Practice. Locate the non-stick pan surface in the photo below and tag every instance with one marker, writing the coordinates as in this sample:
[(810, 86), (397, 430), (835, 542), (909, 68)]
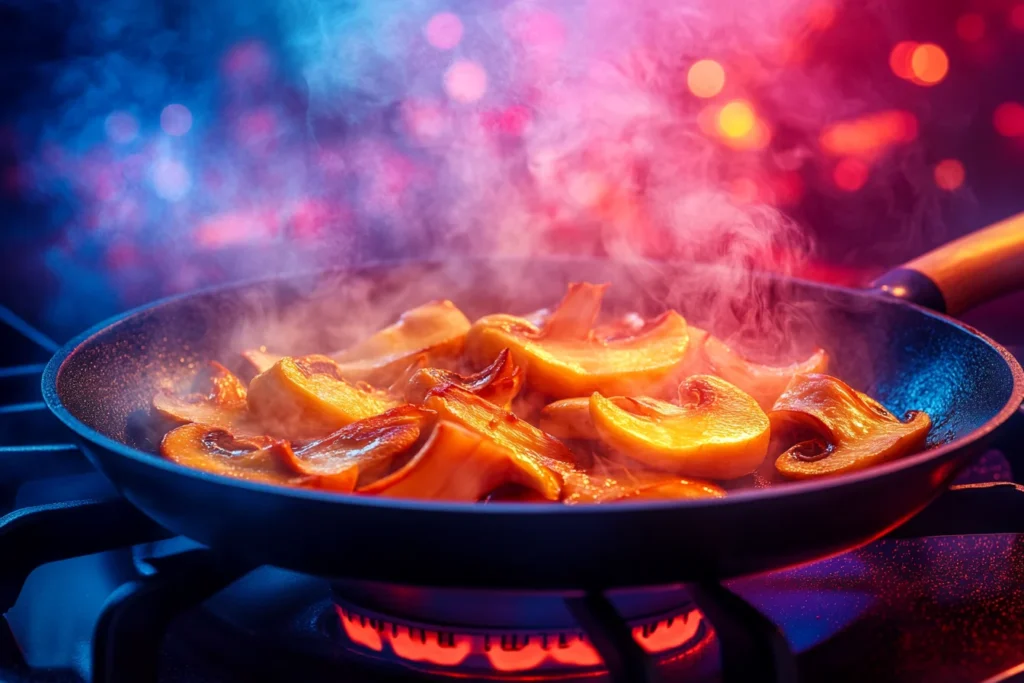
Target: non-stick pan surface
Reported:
[(906, 356)]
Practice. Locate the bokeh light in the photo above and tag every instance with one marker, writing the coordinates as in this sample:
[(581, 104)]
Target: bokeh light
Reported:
[(171, 180), (744, 190), (850, 174), (443, 31), (121, 127), (176, 119), (1017, 17), (465, 81), (929, 64), (970, 27), (736, 119), (706, 78), (1008, 119), (900, 59), (870, 135), (949, 174)]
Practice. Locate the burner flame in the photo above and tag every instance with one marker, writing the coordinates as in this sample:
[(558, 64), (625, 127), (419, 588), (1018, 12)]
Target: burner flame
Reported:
[(511, 652)]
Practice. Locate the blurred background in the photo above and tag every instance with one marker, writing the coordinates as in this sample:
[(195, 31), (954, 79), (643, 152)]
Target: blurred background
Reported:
[(149, 147)]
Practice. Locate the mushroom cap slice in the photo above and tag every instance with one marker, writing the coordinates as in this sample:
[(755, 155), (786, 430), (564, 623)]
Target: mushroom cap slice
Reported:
[(457, 464), (482, 417), (361, 452), (437, 329), (217, 398), (565, 360), (212, 449), (307, 398), (764, 382), (850, 430), (499, 382), (717, 431)]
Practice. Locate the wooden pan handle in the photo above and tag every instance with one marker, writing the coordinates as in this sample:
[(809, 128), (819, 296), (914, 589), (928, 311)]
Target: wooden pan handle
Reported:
[(964, 273)]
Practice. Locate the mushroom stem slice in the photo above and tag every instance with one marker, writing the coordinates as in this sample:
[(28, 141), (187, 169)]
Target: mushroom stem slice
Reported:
[(764, 382), (436, 329), (457, 464), (212, 449), (363, 451), (849, 430), (482, 417), (718, 432), (217, 398), (575, 316), (499, 382), (307, 398)]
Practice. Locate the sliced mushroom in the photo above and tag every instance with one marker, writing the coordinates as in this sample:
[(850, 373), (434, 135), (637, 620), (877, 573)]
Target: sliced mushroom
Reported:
[(488, 420), (570, 417), (362, 452), (307, 398), (217, 398), (848, 430), (499, 382), (717, 431), (461, 465), (436, 329), (260, 359), (566, 358), (212, 449), (591, 488), (764, 382)]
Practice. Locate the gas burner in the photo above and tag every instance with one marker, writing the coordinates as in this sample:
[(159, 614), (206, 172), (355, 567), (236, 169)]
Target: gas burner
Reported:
[(487, 635)]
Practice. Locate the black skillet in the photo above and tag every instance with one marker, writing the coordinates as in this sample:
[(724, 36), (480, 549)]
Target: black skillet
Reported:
[(900, 352)]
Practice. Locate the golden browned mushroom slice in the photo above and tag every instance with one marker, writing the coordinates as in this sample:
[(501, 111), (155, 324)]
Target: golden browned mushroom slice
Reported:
[(363, 451), (850, 430), (457, 464), (217, 398), (764, 382), (590, 488), (717, 431), (488, 420), (260, 359), (499, 382), (436, 329), (570, 417), (307, 398), (211, 449), (566, 358)]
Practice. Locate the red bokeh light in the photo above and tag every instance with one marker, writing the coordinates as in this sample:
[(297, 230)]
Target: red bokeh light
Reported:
[(1017, 17), (870, 135), (1009, 119), (970, 27), (850, 174), (949, 174), (900, 59)]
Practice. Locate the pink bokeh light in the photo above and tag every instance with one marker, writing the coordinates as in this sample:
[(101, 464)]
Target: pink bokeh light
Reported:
[(465, 81), (176, 119), (443, 31)]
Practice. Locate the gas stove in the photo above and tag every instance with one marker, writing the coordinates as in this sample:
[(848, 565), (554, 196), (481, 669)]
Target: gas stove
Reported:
[(94, 591)]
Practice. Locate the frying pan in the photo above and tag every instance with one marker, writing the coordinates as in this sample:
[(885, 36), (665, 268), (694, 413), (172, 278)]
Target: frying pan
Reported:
[(906, 355)]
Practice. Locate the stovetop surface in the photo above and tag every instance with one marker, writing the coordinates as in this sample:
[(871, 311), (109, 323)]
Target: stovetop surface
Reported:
[(920, 609)]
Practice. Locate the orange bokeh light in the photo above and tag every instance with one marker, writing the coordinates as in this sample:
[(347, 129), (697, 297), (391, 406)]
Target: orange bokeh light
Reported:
[(949, 174), (850, 174), (736, 119), (868, 135), (970, 27), (900, 59), (706, 78), (1009, 119), (929, 64)]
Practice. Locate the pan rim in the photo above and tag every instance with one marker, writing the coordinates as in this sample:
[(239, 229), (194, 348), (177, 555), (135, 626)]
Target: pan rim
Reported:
[(53, 401)]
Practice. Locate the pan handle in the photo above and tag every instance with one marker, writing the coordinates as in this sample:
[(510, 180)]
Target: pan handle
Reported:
[(964, 273)]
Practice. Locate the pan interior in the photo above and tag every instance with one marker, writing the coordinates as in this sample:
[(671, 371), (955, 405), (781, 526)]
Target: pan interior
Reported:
[(905, 357)]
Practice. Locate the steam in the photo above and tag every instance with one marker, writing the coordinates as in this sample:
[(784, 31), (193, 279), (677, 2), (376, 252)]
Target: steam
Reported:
[(526, 129)]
